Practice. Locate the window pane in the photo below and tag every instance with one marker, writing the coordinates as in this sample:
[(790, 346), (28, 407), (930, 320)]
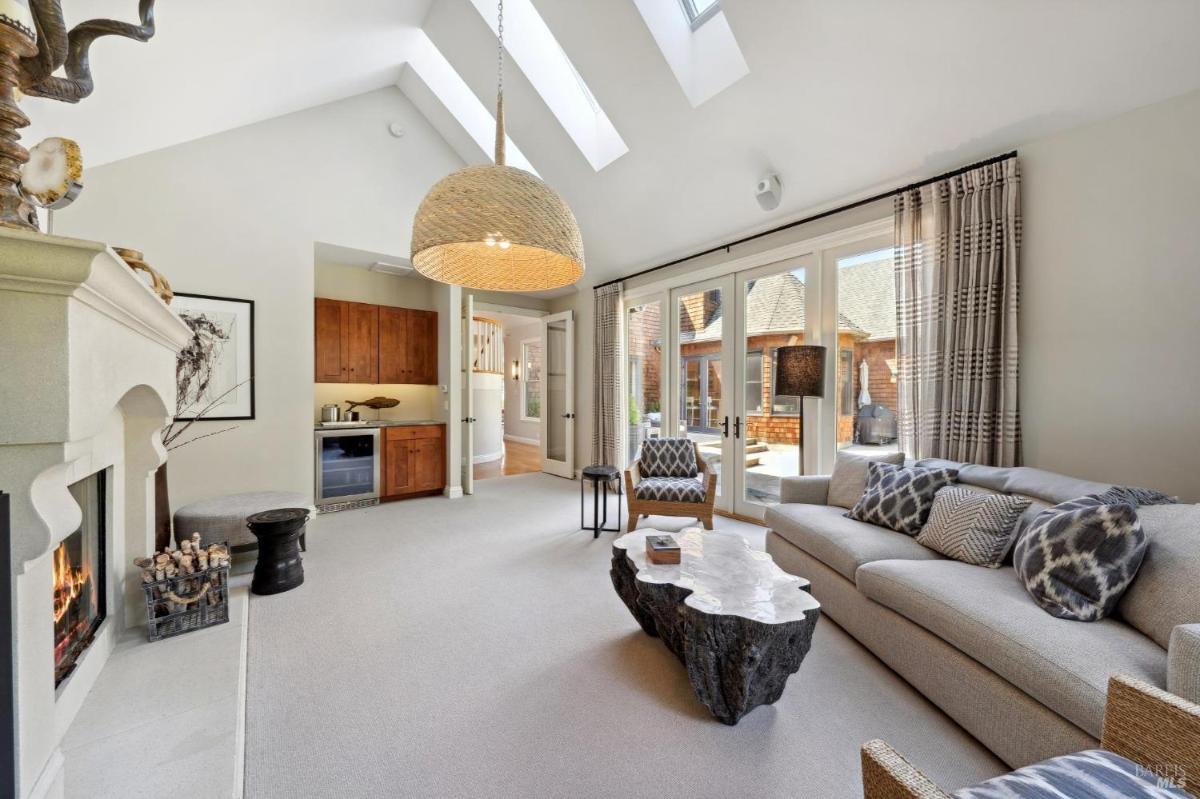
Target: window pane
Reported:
[(754, 386), (701, 320), (531, 367), (644, 348), (775, 317), (866, 384), (782, 406)]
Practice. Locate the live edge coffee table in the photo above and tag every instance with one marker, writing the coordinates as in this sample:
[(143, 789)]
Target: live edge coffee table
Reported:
[(740, 624)]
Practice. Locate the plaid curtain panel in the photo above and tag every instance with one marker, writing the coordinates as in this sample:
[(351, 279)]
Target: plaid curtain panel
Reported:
[(957, 253), (606, 377)]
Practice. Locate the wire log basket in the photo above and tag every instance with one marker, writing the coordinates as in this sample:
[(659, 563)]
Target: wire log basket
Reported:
[(186, 602)]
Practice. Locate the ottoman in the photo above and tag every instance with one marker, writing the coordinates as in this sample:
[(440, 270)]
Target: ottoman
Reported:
[(224, 518)]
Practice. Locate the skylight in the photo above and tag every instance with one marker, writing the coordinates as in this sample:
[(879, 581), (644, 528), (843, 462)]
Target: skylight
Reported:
[(439, 84), (698, 45), (533, 47), (700, 11)]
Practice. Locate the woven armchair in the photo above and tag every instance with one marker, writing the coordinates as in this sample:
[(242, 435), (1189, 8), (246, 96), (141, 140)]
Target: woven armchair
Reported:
[(701, 510), (1156, 730)]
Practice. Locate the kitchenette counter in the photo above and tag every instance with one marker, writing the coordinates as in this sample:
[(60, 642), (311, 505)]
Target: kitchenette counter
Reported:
[(376, 423)]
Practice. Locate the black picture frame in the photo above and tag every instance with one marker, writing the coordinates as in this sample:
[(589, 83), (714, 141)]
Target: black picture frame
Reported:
[(249, 307)]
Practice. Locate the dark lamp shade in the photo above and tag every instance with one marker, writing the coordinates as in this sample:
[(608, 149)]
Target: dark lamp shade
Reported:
[(800, 371)]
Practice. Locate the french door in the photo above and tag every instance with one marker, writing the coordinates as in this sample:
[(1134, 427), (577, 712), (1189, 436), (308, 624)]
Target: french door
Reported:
[(724, 336), (468, 395), (558, 394)]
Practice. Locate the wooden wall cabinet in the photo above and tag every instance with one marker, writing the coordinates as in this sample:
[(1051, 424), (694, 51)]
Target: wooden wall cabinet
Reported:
[(414, 460), (361, 343)]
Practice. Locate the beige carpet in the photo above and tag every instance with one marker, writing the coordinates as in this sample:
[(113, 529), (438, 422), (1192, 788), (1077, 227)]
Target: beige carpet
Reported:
[(476, 648)]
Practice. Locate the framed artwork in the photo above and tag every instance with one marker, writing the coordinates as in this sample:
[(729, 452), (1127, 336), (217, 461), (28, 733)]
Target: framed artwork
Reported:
[(213, 373)]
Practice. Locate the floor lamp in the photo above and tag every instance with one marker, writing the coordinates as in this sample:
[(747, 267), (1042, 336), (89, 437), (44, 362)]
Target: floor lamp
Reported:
[(800, 372)]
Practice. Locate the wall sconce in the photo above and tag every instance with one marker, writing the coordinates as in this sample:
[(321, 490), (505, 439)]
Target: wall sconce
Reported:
[(516, 370)]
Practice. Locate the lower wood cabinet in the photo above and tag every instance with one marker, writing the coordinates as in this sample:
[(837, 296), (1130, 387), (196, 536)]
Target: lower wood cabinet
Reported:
[(414, 460)]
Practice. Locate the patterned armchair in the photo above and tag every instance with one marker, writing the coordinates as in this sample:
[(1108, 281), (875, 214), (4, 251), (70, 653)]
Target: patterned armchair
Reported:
[(1151, 748), (670, 478)]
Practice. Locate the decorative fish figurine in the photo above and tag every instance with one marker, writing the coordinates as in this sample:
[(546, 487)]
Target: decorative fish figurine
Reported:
[(374, 402)]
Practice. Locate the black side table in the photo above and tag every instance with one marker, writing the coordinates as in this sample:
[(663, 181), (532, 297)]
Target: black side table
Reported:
[(278, 532), (599, 476)]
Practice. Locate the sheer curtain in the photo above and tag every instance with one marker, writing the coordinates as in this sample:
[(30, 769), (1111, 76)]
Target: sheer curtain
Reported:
[(607, 395), (958, 246)]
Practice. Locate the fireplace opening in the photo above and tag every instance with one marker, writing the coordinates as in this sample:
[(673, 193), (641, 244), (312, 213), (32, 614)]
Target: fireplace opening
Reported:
[(79, 579)]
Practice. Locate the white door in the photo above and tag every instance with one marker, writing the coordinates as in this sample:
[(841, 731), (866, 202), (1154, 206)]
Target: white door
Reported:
[(468, 396), (700, 366), (777, 306), (558, 394)]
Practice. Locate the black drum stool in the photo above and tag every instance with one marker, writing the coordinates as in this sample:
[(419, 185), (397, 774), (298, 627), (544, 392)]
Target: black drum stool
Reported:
[(278, 532), (599, 476)]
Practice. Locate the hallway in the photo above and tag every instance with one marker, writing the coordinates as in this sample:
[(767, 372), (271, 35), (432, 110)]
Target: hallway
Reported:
[(518, 458)]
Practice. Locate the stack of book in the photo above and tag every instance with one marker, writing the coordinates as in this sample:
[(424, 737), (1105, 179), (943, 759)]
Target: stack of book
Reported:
[(662, 549)]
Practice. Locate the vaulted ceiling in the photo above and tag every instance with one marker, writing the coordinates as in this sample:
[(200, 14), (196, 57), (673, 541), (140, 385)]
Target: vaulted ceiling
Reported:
[(840, 97)]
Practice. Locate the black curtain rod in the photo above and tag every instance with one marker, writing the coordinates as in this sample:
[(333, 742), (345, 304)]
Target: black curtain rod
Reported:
[(822, 215)]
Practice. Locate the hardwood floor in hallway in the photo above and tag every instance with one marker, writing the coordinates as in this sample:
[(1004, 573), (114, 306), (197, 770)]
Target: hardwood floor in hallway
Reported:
[(518, 459)]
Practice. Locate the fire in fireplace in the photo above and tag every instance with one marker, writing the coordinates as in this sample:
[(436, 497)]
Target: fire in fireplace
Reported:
[(79, 575)]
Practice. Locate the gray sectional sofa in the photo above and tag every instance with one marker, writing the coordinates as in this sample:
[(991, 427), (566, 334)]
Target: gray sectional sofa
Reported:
[(1027, 685)]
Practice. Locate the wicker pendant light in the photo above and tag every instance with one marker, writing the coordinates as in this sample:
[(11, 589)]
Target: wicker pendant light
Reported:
[(497, 227)]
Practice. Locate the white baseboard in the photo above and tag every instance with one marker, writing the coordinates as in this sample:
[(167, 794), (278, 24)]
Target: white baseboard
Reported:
[(453, 492), (523, 440)]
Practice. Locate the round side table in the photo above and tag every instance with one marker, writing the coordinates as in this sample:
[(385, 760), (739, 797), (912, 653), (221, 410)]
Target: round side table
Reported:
[(278, 532), (599, 476)]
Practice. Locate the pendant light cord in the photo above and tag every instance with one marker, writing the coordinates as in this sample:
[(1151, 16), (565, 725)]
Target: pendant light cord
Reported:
[(500, 83)]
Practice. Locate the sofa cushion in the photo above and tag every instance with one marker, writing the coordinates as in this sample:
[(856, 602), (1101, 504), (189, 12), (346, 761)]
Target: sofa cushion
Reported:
[(849, 478), (841, 543), (1049, 487), (1094, 774), (1078, 557), (668, 457), (1164, 594), (971, 525), (986, 614), (899, 497), (670, 489)]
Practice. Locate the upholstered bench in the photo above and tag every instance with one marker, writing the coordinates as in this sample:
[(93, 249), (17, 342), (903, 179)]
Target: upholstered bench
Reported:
[(224, 518)]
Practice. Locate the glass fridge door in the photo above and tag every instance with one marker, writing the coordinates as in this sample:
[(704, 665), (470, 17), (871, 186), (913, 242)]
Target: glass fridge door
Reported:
[(347, 466)]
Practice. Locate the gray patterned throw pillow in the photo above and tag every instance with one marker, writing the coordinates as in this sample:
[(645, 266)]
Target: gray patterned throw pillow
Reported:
[(971, 526), (899, 497), (668, 457), (1078, 557)]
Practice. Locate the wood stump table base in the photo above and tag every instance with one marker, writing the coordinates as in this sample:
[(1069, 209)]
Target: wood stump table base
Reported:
[(738, 648)]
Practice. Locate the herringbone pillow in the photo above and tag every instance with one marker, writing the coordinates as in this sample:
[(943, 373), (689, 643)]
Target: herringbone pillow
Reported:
[(899, 497), (970, 526)]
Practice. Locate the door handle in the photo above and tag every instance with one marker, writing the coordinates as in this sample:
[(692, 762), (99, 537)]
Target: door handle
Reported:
[(725, 427), (737, 427), (568, 416)]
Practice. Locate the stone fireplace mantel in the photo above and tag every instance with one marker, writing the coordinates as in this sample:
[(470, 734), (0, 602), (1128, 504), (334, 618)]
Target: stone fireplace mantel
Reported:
[(87, 381)]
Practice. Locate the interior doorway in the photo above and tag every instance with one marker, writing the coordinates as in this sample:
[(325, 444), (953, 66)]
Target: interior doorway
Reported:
[(507, 368)]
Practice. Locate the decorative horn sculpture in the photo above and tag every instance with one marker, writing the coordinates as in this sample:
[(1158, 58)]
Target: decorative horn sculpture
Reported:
[(58, 48), (34, 43)]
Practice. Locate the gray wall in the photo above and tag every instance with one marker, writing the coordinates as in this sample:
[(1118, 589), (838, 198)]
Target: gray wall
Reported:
[(1110, 322)]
